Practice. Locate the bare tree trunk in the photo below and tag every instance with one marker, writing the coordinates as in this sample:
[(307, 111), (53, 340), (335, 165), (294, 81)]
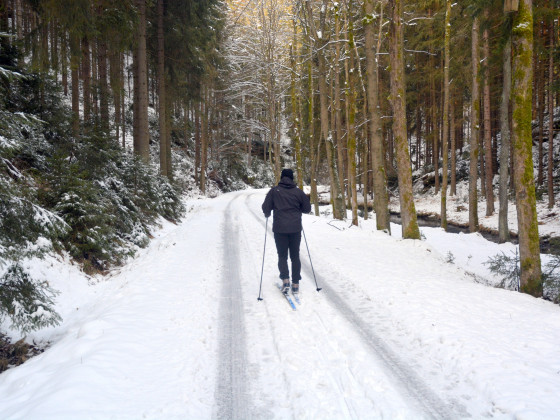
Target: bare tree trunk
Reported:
[(94, 65), (75, 79), (452, 135), (204, 140), (540, 111), (435, 131), (540, 84), (295, 115), (64, 61), (86, 76), (19, 19), (115, 81), (380, 195), (163, 137), (487, 124), (522, 45), (141, 134), (103, 86), (398, 99), (351, 119), (473, 142), (337, 101), (550, 117), (313, 157), (339, 210), (503, 228), (197, 139), (444, 141)]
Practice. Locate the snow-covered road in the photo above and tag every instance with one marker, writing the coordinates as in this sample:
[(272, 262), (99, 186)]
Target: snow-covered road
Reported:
[(395, 333)]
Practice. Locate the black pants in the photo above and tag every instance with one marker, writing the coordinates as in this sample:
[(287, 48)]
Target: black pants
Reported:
[(288, 242)]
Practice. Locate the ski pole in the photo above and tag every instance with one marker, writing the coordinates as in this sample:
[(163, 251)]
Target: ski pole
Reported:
[(262, 269), (311, 262)]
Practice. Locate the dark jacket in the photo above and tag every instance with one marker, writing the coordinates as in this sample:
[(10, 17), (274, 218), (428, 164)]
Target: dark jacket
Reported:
[(288, 203)]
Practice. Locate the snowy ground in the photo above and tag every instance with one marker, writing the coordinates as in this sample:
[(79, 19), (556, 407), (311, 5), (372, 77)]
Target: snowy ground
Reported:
[(397, 331)]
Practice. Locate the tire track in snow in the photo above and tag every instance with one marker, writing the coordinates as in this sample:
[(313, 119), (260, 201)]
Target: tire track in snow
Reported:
[(411, 384), (231, 382)]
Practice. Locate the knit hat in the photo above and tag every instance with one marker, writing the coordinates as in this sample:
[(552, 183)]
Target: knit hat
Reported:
[(287, 172)]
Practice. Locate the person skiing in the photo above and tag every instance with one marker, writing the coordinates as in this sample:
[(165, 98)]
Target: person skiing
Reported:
[(288, 203)]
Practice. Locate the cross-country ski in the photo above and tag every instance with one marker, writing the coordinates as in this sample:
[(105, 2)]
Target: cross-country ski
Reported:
[(286, 296)]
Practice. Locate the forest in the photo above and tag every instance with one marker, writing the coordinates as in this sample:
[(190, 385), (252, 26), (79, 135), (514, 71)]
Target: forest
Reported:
[(111, 111)]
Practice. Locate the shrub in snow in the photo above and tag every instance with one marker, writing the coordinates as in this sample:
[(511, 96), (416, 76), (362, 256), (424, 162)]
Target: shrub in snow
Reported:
[(507, 268), (85, 194), (551, 279), (27, 302), (450, 258), (26, 229)]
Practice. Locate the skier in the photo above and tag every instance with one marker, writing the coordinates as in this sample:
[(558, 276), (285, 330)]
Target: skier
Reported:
[(288, 203)]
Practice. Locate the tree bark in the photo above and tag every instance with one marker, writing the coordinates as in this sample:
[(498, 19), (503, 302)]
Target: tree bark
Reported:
[(86, 79), (398, 99), (473, 141), (550, 165), (163, 137), (503, 229), (141, 134), (380, 195), (115, 81), (75, 80), (204, 140), (522, 45), (540, 112), (339, 209), (295, 115), (453, 141), (434, 131), (197, 139), (351, 119), (337, 103), (312, 142), (444, 141), (103, 86), (487, 123), (64, 61)]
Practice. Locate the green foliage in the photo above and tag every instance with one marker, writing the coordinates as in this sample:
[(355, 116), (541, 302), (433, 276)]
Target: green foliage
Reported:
[(551, 279), (26, 230), (108, 198), (507, 268), (86, 195), (27, 302)]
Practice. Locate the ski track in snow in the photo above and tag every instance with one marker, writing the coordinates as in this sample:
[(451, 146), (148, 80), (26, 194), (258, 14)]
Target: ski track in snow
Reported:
[(419, 397), (231, 396)]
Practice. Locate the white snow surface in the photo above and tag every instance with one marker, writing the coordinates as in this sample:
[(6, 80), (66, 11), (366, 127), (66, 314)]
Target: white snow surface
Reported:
[(396, 332)]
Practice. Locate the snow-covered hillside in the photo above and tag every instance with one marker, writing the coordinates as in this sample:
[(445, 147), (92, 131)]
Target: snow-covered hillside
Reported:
[(397, 331)]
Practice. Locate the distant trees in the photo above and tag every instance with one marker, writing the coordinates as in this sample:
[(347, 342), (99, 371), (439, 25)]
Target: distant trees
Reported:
[(108, 54), (358, 105)]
